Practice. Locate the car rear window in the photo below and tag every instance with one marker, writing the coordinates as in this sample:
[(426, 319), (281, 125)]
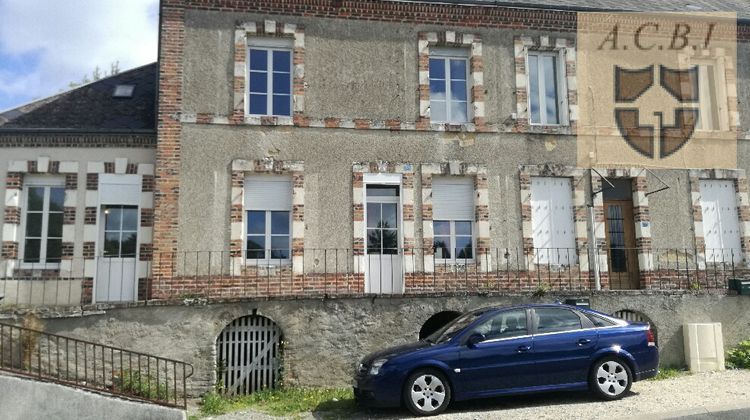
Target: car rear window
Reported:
[(556, 320), (600, 321)]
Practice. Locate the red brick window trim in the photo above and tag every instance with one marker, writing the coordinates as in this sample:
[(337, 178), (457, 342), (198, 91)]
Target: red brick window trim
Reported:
[(739, 179), (472, 44), (244, 34), (239, 171), (565, 52)]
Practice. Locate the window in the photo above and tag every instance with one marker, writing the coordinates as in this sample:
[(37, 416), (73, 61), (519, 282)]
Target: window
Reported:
[(712, 97), (268, 204), (382, 219), (552, 221), (270, 78), (556, 320), (120, 231), (600, 321), (43, 223), (449, 85), (506, 324), (721, 228), (124, 91), (546, 97), (453, 214)]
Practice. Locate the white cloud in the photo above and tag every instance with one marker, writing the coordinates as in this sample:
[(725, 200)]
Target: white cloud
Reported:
[(71, 38)]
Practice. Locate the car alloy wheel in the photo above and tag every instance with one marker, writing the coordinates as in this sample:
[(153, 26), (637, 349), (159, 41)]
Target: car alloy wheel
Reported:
[(611, 378), (427, 393)]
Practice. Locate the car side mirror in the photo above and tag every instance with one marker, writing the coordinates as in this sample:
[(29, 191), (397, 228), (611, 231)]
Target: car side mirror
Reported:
[(474, 339)]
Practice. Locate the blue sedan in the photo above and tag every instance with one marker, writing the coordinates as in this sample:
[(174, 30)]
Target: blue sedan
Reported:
[(512, 350)]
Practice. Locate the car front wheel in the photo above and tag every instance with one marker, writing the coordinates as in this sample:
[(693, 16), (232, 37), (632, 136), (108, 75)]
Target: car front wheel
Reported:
[(427, 393), (610, 378)]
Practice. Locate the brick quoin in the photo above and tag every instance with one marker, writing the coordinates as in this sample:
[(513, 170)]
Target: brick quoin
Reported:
[(166, 186)]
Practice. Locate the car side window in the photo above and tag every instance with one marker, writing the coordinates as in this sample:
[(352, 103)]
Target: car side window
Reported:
[(507, 324), (556, 320)]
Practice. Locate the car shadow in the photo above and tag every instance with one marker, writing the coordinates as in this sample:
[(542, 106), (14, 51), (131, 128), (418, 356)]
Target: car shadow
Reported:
[(348, 409)]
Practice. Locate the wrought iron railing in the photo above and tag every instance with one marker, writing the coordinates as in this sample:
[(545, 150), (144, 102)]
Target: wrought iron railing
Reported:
[(307, 272), (87, 365)]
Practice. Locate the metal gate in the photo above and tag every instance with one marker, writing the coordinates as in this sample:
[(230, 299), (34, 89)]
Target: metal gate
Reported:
[(249, 350)]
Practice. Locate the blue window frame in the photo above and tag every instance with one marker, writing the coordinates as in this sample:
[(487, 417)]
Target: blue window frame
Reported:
[(270, 81)]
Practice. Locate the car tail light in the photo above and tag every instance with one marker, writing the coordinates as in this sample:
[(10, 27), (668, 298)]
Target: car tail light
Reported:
[(650, 337)]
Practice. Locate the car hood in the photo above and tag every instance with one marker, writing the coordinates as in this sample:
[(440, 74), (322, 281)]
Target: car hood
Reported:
[(391, 352)]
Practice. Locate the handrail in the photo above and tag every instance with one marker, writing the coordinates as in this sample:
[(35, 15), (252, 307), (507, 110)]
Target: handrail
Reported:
[(97, 367)]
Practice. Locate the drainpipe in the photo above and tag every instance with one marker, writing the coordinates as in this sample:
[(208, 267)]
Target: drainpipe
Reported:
[(593, 248)]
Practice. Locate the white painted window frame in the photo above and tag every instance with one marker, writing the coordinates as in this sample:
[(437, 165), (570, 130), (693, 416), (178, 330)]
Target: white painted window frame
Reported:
[(454, 259), (446, 54), (46, 183), (120, 230), (270, 45), (561, 89), (268, 261), (719, 69)]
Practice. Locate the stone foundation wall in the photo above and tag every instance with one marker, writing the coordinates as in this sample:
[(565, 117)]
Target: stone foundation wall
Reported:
[(325, 338)]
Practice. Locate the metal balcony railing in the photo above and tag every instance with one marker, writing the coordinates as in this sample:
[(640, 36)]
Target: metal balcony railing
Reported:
[(357, 272)]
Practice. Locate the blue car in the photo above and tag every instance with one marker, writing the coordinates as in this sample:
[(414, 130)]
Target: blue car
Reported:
[(512, 350)]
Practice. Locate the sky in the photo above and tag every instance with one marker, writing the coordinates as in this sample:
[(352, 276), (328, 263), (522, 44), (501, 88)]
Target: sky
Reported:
[(46, 44)]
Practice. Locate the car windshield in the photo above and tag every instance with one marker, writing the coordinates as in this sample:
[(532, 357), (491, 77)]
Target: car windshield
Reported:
[(454, 327)]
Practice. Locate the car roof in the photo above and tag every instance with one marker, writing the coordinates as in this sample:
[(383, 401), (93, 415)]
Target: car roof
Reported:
[(529, 305)]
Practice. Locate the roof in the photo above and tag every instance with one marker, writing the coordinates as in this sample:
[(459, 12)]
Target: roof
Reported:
[(92, 107), (741, 7)]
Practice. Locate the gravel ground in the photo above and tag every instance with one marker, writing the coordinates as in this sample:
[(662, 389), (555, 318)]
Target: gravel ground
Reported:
[(658, 398)]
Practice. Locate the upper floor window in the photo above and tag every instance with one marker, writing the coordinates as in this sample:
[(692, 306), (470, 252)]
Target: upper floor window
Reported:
[(449, 85), (268, 205), (43, 221), (712, 114), (270, 77), (453, 218), (546, 96)]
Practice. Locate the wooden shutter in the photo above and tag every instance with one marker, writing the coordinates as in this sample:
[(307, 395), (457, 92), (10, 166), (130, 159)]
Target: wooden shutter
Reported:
[(553, 227), (453, 198), (268, 192), (721, 228)]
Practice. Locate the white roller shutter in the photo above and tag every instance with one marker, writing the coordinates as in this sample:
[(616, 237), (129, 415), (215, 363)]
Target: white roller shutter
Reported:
[(268, 192), (452, 198), (721, 228), (120, 189), (552, 220)]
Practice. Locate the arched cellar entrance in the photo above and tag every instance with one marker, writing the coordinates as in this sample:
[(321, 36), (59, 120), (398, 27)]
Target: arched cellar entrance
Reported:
[(635, 316), (248, 352), (436, 322)]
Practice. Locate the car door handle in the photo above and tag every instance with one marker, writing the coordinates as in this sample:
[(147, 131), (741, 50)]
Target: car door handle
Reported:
[(583, 341), (522, 349)]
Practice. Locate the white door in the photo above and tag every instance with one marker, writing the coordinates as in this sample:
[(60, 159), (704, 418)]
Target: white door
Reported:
[(721, 227), (117, 276), (384, 265)]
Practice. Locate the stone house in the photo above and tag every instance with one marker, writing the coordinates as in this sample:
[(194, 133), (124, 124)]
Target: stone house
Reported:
[(350, 149)]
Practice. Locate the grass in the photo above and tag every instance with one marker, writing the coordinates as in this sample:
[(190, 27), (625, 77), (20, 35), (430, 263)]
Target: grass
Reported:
[(669, 373), (330, 402)]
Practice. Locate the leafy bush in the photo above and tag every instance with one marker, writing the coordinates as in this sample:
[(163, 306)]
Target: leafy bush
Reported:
[(739, 357)]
